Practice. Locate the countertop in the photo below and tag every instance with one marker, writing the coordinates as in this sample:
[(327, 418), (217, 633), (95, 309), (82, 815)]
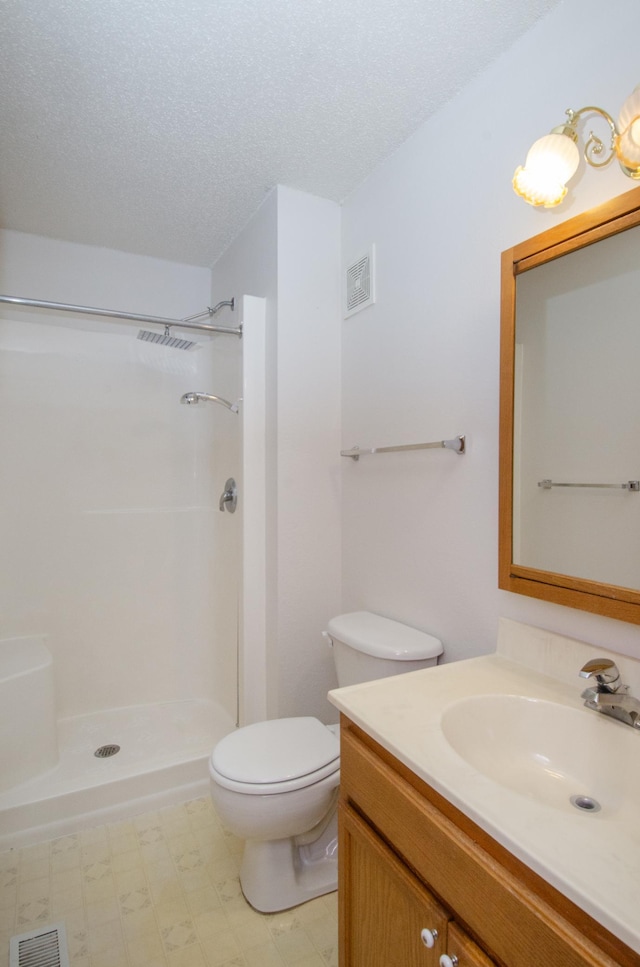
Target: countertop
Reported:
[(592, 858)]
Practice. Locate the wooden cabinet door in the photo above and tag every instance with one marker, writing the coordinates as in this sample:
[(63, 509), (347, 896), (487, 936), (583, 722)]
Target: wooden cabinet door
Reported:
[(462, 947), (384, 909)]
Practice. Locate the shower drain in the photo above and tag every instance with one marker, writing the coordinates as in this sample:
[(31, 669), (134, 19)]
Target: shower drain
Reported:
[(586, 803), (106, 750)]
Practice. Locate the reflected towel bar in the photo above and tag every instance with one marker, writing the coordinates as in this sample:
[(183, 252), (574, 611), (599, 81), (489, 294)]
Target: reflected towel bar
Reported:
[(629, 485), (457, 445)]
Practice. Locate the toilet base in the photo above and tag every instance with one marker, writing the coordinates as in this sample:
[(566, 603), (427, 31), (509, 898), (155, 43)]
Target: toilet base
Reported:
[(283, 873)]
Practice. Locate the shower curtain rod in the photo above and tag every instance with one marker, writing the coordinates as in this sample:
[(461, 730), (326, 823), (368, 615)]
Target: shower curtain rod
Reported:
[(188, 323)]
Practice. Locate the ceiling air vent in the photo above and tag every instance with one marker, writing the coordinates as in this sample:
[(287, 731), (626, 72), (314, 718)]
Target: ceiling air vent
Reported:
[(360, 284)]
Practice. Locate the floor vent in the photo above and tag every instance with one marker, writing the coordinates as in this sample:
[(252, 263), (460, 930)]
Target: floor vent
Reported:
[(45, 947)]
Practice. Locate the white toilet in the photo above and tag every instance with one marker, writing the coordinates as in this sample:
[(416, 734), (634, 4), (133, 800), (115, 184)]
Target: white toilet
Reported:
[(275, 783)]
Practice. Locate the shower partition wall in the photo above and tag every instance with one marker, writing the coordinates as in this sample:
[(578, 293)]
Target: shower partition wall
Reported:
[(113, 548)]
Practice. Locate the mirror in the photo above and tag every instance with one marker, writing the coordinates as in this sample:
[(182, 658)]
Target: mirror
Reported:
[(570, 413)]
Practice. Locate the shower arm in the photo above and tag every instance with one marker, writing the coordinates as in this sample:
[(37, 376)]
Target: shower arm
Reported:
[(188, 323)]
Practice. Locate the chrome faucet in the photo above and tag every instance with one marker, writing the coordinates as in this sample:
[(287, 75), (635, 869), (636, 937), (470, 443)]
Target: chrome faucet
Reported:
[(609, 695)]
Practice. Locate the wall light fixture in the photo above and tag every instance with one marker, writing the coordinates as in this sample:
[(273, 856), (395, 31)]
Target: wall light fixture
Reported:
[(554, 158)]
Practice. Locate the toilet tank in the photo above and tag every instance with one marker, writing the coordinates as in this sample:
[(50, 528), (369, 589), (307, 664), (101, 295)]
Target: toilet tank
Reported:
[(367, 646)]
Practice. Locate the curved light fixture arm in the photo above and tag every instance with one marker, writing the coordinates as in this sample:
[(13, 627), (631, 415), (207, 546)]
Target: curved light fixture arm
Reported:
[(553, 159), (594, 146)]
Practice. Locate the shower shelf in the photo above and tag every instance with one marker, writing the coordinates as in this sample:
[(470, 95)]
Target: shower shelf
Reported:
[(457, 445)]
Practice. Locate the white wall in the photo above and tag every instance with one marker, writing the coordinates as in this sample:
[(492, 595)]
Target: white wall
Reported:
[(106, 486), (250, 267), (309, 491), (289, 254), (252, 486), (420, 529)]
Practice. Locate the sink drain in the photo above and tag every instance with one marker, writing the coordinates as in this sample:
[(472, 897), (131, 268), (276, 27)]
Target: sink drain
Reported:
[(106, 750), (586, 803)]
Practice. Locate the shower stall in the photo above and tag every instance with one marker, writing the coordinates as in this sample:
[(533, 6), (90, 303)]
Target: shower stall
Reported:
[(117, 562)]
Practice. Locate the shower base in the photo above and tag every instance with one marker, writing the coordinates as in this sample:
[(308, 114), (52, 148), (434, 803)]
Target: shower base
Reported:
[(162, 760)]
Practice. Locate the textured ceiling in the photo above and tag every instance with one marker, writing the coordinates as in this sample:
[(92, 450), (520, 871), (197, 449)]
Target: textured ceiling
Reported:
[(158, 126)]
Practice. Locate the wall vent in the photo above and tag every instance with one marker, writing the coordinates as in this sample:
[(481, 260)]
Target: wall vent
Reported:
[(44, 947), (360, 289)]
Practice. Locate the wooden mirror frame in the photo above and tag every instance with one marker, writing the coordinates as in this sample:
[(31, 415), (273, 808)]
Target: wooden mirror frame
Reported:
[(615, 216)]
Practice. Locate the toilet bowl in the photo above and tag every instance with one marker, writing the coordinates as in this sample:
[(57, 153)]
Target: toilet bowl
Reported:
[(275, 783)]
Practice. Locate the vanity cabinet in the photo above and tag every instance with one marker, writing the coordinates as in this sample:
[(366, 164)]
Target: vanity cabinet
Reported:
[(393, 918), (413, 868)]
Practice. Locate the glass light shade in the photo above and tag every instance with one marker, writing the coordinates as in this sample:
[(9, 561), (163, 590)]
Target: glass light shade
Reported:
[(551, 162), (628, 141)]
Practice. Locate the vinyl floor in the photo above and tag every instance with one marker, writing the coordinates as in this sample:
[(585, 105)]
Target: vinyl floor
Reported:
[(160, 890)]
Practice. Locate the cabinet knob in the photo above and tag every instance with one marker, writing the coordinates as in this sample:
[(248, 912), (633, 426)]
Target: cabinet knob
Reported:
[(429, 937), (448, 961)]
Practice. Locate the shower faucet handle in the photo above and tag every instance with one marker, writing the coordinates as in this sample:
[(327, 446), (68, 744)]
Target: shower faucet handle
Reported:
[(229, 497)]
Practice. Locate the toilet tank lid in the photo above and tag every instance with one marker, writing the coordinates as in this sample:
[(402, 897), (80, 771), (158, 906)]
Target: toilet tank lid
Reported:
[(383, 637)]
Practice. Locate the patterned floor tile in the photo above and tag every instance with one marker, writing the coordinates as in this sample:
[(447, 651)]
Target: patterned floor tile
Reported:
[(179, 934), (34, 911), (222, 949), (159, 890), (134, 900), (295, 945), (189, 957)]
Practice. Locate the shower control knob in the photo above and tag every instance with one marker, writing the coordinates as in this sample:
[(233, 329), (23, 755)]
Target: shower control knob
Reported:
[(229, 498)]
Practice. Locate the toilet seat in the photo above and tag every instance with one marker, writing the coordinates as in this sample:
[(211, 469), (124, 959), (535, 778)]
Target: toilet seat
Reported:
[(276, 756)]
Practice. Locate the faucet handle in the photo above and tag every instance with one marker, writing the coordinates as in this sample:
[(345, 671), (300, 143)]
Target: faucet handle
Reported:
[(605, 673)]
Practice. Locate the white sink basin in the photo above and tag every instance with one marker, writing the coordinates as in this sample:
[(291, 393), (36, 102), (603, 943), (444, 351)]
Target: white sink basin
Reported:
[(548, 752)]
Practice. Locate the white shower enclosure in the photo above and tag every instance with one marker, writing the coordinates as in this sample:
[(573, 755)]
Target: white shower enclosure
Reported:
[(114, 550)]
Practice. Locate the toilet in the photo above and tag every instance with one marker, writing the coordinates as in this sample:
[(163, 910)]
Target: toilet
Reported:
[(275, 783)]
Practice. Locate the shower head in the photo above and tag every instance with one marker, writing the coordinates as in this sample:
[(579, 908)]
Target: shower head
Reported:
[(190, 398), (166, 339)]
